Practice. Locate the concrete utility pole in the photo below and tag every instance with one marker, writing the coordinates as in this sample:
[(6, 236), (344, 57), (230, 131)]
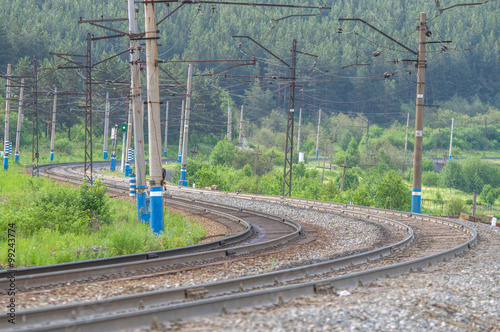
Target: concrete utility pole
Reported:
[(112, 164), (484, 140), (241, 127), (154, 120), (229, 121), (451, 138), (317, 138), (181, 133), (129, 157), (124, 137), (19, 121), (7, 113), (406, 139), (166, 131), (298, 136), (183, 181), (140, 162), (106, 126), (419, 116), (53, 133)]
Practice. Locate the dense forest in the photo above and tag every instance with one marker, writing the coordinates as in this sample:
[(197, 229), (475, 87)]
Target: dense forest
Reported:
[(345, 80)]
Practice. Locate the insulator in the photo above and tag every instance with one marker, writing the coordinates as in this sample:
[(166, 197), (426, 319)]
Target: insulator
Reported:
[(339, 30), (409, 73), (239, 45), (444, 48), (387, 74), (274, 77), (376, 53), (428, 32)]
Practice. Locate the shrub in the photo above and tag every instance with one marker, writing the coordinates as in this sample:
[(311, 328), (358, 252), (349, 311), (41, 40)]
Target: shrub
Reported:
[(430, 179)]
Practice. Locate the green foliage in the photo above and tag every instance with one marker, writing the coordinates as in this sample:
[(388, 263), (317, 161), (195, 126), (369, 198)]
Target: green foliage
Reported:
[(430, 179), (455, 207), (56, 223), (351, 180), (392, 193), (489, 194), (223, 153)]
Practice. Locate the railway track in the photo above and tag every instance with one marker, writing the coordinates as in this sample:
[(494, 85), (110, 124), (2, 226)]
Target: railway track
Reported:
[(427, 241)]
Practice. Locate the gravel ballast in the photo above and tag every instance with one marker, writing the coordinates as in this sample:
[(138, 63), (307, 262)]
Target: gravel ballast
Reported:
[(461, 294)]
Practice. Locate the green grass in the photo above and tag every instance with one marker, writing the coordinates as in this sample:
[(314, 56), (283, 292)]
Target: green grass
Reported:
[(51, 227)]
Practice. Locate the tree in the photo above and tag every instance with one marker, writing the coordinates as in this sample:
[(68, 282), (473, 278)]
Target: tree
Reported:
[(223, 153), (392, 193), (489, 194)]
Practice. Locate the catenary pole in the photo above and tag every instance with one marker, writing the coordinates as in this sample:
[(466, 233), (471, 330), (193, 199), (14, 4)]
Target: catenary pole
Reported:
[(154, 120), (241, 127), (298, 134), (183, 181), (406, 138), (137, 117), (7, 115), (53, 132), (181, 133), (129, 157), (106, 126), (419, 116), (166, 131), (19, 120), (122, 162), (451, 138), (317, 137)]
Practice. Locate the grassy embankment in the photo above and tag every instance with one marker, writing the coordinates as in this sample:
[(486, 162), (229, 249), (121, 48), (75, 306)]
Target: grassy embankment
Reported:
[(55, 223)]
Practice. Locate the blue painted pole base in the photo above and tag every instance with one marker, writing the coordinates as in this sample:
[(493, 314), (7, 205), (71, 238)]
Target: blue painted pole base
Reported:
[(105, 155), (182, 181), (127, 169), (112, 165), (156, 197), (165, 153), (142, 207), (51, 155), (5, 163), (16, 157), (317, 153), (179, 158), (416, 199)]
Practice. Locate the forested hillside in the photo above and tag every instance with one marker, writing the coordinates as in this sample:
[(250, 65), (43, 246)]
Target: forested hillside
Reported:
[(345, 77)]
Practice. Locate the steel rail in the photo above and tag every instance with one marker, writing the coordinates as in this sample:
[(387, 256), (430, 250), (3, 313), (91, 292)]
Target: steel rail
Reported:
[(101, 268), (134, 302), (141, 317)]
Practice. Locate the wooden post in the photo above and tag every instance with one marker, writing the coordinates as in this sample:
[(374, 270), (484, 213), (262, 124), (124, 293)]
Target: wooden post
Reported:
[(256, 159), (343, 175)]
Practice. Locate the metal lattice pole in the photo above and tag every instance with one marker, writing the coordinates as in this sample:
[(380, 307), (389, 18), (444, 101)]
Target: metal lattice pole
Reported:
[(88, 111), (287, 171), (34, 141)]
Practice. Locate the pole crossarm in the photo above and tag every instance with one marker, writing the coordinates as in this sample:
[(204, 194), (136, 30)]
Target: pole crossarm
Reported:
[(265, 49), (234, 3), (253, 60), (383, 33), (94, 23)]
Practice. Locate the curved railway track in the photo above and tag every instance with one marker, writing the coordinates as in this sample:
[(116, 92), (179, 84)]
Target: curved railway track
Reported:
[(428, 240)]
